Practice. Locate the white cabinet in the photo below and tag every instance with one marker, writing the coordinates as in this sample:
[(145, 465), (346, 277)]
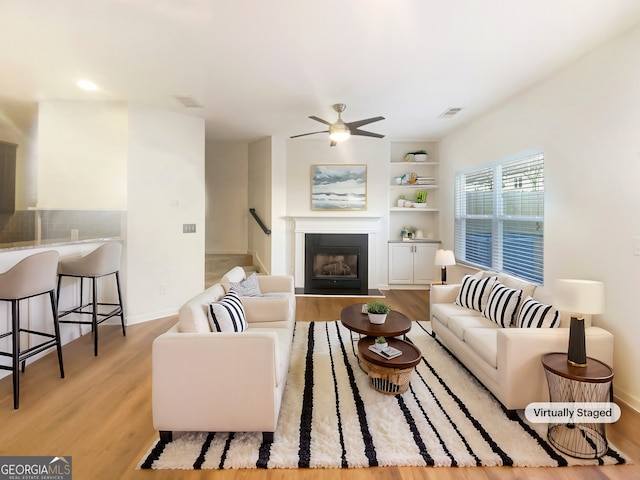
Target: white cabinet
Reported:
[(412, 263), (425, 174)]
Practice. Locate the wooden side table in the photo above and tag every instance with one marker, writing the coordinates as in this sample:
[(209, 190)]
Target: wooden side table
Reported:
[(589, 384), (390, 376)]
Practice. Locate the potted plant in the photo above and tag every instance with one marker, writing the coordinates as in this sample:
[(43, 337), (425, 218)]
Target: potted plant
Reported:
[(420, 156), (381, 343), (421, 199), (378, 311)]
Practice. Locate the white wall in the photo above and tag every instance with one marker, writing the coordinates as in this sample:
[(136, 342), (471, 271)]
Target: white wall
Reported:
[(82, 155), (586, 118), (226, 177), (164, 266), (375, 153)]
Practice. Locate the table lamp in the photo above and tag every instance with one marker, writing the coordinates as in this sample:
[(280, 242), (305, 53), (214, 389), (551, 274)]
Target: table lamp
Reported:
[(578, 297), (444, 258)]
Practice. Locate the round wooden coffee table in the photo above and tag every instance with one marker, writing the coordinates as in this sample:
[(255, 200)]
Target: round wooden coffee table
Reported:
[(395, 325), (392, 375)]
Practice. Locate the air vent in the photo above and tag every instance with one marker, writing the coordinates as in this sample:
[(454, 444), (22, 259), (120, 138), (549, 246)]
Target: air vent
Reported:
[(449, 112), (188, 101)]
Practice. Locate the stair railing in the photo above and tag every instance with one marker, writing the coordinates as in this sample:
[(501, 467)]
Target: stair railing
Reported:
[(260, 222)]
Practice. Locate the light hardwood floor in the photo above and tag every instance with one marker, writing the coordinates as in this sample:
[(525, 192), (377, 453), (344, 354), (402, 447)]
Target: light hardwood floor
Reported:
[(100, 414)]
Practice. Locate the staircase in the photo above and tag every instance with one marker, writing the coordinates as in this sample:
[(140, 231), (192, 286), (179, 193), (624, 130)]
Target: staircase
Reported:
[(216, 265)]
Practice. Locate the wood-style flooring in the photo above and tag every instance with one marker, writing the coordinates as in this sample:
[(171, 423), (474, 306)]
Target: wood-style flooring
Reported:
[(100, 414)]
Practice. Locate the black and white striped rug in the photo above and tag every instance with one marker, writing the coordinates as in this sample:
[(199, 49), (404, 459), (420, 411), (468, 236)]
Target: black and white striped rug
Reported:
[(332, 418)]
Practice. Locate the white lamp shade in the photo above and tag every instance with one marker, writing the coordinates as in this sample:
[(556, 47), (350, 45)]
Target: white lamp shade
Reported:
[(579, 296), (445, 258)]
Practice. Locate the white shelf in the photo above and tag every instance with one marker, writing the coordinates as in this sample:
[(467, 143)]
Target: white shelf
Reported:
[(431, 164), (413, 210), (409, 185)]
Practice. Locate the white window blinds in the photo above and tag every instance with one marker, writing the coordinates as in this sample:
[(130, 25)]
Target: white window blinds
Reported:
[(499, 216)]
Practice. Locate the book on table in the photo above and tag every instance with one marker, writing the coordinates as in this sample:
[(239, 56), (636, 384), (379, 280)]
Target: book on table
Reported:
[(388, 352)]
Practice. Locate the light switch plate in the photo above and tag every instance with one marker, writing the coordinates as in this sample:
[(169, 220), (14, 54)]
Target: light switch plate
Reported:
[(636, 246), (188, 228)]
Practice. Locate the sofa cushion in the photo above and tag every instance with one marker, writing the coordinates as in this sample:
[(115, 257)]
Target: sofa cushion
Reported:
[(227, 315), (534, 314), (474, 292), (502, 304), (236, 274), (442, 311), (193, 316), (248, 287), (459, 324), (484, 342)]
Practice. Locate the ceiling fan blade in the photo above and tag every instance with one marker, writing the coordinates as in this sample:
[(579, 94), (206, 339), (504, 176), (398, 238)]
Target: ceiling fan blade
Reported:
[(313, 117), (312, 133), (364, 133), (360, 123)]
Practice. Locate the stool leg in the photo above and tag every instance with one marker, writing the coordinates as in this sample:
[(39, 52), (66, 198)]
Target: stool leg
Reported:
[(124, 333), (15, 318), (56, 328), (94, 316)]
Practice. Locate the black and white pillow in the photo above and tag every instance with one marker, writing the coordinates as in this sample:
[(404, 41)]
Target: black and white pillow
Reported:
[(502, 304), (248, 287), (534, 314), (227, 314), (474, 292)]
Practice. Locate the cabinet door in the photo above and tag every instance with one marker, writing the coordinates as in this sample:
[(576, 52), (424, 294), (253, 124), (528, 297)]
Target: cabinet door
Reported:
[(424, 258), (400, 264)]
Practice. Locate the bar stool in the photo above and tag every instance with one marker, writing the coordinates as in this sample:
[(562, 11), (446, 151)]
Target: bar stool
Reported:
[(101, 262), (32, 276)]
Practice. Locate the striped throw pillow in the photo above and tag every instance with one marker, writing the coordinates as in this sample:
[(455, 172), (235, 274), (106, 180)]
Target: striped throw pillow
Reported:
[(474, 292), (227, 314), (502, 304), (534, 314)]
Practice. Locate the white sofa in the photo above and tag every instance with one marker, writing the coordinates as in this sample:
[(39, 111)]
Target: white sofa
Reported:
[(225, 381), (507, 360)]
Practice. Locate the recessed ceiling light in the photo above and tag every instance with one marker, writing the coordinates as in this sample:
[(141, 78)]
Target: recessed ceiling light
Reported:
[(87, 85)]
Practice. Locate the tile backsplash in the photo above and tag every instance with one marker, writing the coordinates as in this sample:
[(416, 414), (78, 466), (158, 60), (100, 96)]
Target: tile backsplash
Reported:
[(60, 225)]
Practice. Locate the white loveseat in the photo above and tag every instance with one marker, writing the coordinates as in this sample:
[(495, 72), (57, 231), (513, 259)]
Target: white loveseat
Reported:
[(225, 381), (507, 360)]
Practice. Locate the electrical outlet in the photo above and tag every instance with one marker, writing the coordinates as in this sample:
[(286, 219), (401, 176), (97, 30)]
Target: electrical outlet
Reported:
[(163, 288), (636, 246), (188, 228)]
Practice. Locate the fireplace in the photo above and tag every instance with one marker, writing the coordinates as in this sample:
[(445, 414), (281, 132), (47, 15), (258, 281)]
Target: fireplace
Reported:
[(336, 263)]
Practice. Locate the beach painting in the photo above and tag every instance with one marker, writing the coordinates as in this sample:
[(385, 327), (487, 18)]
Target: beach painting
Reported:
[(338, 187)]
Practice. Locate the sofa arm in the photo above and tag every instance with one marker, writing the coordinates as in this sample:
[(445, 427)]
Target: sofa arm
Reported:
[(276, 283), (444, 293), (209, 381), (520, 371)]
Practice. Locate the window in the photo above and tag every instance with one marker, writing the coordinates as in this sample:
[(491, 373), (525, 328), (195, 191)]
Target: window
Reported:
[(499, 216)]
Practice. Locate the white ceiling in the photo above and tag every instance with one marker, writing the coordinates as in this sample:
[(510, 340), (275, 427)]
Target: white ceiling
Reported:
[(262, 67)]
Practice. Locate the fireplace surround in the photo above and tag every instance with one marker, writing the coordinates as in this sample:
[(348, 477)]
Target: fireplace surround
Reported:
[(343, 224)]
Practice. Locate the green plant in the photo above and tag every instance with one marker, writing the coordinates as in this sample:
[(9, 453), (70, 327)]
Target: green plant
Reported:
[(381, 340), (421, 196), (378, 307), (420, 152)]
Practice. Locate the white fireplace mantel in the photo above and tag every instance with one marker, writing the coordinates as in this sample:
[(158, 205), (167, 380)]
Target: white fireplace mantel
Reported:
[(335, 224)]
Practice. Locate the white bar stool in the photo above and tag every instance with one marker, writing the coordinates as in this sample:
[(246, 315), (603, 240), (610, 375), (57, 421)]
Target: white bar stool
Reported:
[(32, 276), (101, 262)]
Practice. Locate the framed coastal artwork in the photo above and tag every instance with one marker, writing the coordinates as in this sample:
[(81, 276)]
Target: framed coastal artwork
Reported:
[(338, 187)]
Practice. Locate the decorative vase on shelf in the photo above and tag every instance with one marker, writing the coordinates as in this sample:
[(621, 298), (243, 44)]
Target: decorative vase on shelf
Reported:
[(420, 157)]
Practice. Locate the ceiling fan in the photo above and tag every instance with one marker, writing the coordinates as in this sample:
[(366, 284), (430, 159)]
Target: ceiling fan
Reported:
[(340, 130)]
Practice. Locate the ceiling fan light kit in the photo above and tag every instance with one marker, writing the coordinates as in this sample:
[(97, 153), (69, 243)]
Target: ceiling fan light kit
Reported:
[(339, 130)]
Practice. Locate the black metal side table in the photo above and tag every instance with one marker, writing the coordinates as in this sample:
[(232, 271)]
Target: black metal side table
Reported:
[(568, 383)]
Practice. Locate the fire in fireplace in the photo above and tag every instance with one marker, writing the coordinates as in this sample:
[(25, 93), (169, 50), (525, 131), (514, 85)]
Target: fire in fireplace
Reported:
[(336, 263)]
